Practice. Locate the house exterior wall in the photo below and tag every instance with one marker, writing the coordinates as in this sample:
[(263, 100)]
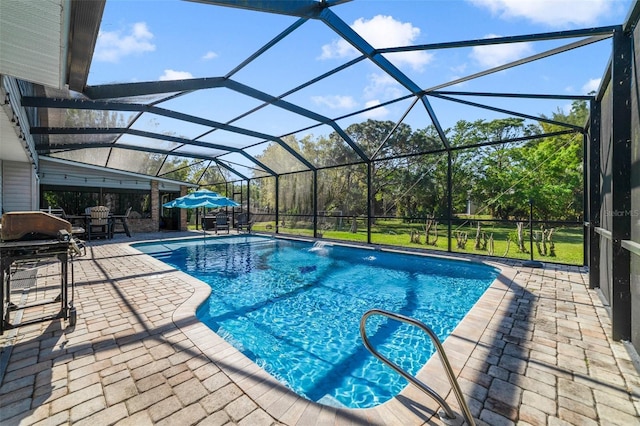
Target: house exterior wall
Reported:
[(54, 172), (20, 187), (148, 224), (65, 174), (1, 190), (153, 224)]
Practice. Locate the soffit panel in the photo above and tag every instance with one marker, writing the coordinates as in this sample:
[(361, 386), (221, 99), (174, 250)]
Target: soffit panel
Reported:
[(33, 40)]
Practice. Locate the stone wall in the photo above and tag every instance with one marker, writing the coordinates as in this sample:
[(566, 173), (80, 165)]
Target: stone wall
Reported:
[(155, 205), (142, 225)]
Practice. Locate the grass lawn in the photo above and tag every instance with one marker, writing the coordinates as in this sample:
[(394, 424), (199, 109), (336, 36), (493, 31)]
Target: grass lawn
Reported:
[(568, 240)]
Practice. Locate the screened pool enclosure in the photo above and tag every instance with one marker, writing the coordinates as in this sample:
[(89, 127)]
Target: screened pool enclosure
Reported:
[(437, 160)]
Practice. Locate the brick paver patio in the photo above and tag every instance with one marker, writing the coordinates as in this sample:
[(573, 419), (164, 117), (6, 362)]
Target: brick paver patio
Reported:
[(534, 350)]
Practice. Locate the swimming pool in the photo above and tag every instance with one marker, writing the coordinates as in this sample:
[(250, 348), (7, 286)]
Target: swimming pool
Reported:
[(294, 308)]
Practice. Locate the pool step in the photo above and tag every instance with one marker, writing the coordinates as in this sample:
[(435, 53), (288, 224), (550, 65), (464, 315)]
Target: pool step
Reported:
[(331, 402)]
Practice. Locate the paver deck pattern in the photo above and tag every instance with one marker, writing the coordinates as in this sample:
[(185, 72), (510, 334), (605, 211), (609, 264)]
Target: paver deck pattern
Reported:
[(535, 350)]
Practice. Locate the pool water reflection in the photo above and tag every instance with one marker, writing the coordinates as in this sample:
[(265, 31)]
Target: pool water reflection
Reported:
[(294, 308)]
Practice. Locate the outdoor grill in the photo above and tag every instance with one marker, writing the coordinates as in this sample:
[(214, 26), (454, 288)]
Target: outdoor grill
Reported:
[(29, 238)]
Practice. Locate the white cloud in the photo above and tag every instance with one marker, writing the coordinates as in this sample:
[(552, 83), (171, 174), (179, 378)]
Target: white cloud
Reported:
[(111, 46), (175, 75), (591, 86), (337, 49), (209, 55), (377, 113), (459, 69), (499, 54), (382, 85), (380, 32), (335, 102), (553, 13)]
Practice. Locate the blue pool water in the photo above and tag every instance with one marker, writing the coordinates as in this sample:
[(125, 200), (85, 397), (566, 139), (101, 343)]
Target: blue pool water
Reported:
[(294, 308)]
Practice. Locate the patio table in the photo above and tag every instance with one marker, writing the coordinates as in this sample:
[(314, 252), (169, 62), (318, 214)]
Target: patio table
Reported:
[(81, 223), (78, 219)]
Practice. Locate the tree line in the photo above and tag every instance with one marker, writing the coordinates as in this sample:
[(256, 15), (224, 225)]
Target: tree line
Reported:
[(499, 166)]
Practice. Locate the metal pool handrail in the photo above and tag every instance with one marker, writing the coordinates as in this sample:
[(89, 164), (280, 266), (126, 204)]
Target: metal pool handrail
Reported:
[(450, 415)]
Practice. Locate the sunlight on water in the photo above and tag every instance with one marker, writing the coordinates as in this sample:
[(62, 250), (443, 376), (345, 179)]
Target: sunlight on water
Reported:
[(294, 308)]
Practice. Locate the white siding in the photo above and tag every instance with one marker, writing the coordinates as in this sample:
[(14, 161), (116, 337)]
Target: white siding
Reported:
[(1, 190), (32, 40), (65, 174), (19, 187)]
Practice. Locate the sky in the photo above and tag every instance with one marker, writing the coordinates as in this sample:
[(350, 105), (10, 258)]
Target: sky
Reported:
[(152, 40)]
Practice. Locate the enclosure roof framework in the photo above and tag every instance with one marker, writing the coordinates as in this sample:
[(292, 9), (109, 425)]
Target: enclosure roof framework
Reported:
[(105, 124)]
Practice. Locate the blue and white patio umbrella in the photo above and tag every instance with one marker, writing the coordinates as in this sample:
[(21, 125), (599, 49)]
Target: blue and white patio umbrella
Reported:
[(201, 198), (186, 201)]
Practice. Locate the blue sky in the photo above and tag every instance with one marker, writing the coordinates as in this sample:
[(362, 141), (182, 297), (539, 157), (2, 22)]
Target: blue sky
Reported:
[(162, 40)]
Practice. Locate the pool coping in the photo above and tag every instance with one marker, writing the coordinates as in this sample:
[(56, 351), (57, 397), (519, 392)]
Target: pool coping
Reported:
[(409, 407)]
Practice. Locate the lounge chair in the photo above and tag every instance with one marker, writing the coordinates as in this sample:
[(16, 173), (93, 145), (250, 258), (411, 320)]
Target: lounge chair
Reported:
[(222, 222)]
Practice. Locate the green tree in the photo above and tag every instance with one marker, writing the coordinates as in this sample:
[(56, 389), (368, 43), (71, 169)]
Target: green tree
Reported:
[(555, 164), (295, 190), (547, 171), (499, 180)]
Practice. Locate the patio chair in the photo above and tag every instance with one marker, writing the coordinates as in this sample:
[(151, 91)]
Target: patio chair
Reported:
[(98, 222), (208, 222), (222, 222), (243, 222), (121, 220)]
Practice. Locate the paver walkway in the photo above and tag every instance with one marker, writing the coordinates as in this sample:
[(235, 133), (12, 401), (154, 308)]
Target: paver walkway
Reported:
[(534, 350)]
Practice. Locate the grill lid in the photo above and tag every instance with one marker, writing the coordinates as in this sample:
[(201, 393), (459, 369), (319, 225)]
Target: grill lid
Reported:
[(32, 225)]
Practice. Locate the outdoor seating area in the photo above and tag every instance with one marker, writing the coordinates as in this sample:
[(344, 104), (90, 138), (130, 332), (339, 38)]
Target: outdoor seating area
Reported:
[(98, 222), (216, 222), (142, 356)]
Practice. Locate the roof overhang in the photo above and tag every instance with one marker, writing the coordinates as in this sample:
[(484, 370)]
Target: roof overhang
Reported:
[(300, 8), (49, 42)]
